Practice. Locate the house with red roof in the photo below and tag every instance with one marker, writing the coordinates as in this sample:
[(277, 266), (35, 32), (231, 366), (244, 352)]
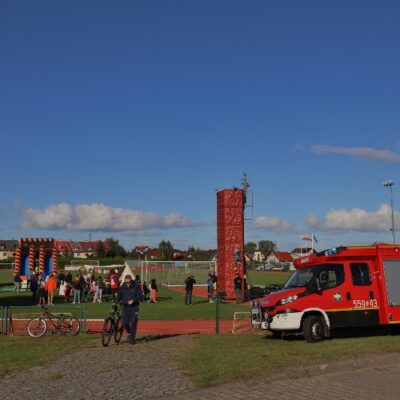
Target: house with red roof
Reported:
[(87, 249), (63, 247), (281, 259)]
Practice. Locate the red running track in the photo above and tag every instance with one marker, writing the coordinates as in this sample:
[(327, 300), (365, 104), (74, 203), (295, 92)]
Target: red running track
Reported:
[(181, 327)]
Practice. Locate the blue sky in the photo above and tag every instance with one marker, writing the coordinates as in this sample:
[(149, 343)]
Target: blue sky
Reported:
[(122, 118)]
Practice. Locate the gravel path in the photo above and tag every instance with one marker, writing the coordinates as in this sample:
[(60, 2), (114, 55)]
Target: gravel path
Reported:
[(144, 370)]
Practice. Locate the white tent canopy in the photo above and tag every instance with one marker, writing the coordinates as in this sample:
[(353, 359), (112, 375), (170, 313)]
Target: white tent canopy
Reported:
[(126, 271)]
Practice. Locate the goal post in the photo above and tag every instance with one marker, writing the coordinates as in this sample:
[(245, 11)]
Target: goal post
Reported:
[(76, 265), (174, 274)]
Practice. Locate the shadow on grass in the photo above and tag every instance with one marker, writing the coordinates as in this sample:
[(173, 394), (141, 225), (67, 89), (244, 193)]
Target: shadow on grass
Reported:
[(167, 298), (153, 338), (144, 339), (344, 333)]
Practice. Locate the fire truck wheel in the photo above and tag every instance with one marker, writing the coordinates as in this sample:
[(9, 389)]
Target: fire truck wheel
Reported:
[(313, 329)]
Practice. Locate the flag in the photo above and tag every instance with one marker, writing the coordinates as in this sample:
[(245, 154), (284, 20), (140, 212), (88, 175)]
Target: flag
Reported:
[(307, 237)]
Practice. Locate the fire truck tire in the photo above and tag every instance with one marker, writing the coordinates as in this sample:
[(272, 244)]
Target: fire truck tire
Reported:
[(313, 329)]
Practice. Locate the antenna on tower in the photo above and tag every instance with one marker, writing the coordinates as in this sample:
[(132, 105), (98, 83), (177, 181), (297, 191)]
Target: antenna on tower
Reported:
[(245, 182), (248, 204)]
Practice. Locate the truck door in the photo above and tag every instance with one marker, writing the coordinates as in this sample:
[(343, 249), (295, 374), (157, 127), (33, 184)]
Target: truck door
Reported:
[(392, 277), (362, 295)]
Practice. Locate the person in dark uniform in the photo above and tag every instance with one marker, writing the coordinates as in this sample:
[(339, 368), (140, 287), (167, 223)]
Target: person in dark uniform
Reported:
[(189, 282), (129, 295), (238, 281)]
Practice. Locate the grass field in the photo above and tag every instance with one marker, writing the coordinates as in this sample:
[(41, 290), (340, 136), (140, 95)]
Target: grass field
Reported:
[(221, 359), (17, 353), (209, 360), (255, 277), (268, 277), (170, 303)]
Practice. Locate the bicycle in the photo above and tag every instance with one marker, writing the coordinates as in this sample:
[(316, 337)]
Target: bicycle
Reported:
[(112, 326), (64, 324)]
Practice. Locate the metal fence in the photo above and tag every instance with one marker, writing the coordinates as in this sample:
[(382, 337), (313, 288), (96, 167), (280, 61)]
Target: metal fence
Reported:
[(5, 320), (15, 318), (7, 266)]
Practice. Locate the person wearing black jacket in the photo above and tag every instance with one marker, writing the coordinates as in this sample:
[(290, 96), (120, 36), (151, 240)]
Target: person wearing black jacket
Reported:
[(129, 294), (189, 282), (238, 282)]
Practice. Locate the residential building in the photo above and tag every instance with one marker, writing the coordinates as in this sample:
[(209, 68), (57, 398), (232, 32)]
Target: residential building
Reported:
[(87, 249), (7, 249), (280, 259)]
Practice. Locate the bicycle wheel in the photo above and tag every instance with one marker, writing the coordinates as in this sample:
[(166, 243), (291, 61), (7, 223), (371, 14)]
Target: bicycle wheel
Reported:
[(69, 326), (107, 331), (36, 327), (119, 329)]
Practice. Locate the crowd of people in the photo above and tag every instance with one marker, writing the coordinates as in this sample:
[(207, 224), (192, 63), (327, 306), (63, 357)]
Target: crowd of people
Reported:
[(89, 286), (83, 287)]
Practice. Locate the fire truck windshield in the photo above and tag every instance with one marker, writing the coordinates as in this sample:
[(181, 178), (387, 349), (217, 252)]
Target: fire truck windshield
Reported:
[(324, 276)]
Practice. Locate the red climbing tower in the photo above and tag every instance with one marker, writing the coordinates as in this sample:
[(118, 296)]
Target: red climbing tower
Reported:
[(230, 238)]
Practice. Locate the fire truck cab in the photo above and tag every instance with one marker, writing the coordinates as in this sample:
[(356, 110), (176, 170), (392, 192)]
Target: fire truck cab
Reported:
[(337, 288)]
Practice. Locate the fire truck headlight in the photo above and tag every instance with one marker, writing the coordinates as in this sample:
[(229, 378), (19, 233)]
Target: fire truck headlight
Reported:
[(289, 299)]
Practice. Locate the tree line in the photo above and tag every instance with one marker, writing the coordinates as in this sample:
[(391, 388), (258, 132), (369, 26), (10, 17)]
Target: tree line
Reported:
[(166, 250)]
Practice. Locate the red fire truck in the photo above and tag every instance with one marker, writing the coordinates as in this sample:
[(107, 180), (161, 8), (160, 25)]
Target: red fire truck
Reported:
[(336, 288)]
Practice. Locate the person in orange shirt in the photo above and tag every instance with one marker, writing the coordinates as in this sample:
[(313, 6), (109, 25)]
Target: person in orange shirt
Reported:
[(153, 291), (51, 286)]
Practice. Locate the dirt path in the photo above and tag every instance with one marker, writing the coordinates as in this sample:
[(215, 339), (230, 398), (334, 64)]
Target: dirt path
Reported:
[(142, 371)]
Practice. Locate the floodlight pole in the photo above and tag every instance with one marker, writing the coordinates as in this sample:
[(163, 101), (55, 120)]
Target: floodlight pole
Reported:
[(389, 184)]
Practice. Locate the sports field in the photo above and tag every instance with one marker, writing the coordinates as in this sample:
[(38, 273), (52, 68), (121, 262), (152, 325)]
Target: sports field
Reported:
[(170, 305)]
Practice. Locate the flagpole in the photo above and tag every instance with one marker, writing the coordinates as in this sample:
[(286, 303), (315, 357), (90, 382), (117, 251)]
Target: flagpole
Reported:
[(301, 243)]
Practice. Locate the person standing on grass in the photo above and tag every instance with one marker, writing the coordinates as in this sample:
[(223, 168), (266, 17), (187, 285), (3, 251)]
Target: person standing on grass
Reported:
[(67, 291), (210, 288), (76, 284), (42, 294), (189, 282), (17, 282), (68, 277), (83, 284), (114, 284), (99, 290), (61, 278), (34, 288), (129, 295), (238, 282), (145, 291), (51, 286), (153, 291), (28, 280), (215, 286)]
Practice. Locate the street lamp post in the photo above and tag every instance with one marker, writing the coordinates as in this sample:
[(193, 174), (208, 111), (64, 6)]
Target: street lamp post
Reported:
[(389, 183)]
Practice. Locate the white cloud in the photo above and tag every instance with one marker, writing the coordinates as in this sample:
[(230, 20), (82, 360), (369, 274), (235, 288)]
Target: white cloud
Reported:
[(355, 219), (273, 224), (99, 217), (365, 153)]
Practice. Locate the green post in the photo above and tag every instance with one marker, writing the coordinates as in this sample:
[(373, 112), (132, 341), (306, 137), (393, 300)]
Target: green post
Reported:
[(217, 314), (2, 320)]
